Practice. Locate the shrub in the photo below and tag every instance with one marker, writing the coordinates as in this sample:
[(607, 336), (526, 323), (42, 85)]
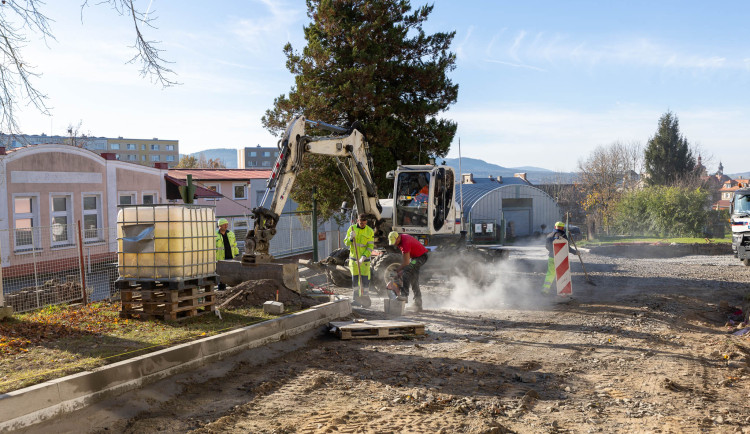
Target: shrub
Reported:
[(663, 212)]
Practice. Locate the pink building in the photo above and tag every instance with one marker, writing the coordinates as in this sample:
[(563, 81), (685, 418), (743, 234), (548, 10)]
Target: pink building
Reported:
[(48, 189)]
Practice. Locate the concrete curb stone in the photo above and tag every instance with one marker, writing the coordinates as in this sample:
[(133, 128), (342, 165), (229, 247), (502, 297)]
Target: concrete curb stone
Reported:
[(43, 401)]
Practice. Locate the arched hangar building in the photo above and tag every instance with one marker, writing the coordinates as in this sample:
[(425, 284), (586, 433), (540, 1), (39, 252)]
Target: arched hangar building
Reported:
[(504, 207)]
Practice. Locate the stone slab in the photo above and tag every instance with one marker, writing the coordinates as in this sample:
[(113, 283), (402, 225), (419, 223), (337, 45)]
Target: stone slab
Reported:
[(273, 307)]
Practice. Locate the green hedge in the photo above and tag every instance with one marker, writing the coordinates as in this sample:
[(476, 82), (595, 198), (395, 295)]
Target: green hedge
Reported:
[(663, 212)]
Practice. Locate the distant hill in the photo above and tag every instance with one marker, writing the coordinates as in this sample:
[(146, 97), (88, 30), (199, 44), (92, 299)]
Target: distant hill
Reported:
[(483, 169), (226, 155), (743, 175)]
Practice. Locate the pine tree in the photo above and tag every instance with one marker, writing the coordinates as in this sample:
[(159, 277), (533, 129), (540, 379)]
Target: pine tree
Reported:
[(668, 157), (369, 61)]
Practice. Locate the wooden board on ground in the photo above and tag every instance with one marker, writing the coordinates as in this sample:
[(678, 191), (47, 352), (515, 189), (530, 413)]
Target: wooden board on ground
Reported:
[(376, 329)]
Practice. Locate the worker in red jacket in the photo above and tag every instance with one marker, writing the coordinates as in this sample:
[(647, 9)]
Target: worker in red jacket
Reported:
[(414, 255)]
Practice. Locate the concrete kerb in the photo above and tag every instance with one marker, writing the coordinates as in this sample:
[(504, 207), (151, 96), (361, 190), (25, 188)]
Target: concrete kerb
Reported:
[(43, 401)]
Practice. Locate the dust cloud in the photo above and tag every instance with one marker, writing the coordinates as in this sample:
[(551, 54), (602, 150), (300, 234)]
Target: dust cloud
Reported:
[(474, 285)]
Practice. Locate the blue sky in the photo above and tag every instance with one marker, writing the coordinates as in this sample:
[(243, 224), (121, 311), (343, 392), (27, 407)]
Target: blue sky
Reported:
[(541, 83)]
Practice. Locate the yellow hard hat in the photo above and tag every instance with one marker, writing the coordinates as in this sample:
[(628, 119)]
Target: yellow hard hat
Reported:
[(560, 225), (223, 221), (392, 237)]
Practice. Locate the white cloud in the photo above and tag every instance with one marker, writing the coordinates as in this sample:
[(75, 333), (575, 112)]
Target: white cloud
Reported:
[(525, 49)]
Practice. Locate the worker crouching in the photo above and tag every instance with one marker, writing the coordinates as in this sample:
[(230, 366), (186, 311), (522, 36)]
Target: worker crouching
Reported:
[(413, 256), (360, 239)]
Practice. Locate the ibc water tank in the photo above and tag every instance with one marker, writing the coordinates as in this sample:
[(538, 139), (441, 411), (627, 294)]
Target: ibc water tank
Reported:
[(166, 242)]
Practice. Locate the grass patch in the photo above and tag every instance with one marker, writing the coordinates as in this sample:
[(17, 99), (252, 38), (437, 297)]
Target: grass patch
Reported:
[(604, 241), (61, 340)]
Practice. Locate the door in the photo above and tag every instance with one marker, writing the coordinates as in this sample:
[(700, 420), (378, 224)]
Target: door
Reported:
[(519, 220)]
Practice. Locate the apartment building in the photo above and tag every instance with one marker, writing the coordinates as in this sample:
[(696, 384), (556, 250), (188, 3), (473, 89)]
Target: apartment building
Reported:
[(257, 157), (145, 152)]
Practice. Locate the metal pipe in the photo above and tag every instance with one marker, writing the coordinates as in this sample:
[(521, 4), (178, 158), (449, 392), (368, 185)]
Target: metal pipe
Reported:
[(329, 127)]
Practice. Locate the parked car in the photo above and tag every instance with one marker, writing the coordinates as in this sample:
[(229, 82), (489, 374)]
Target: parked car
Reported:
[(574, 233)]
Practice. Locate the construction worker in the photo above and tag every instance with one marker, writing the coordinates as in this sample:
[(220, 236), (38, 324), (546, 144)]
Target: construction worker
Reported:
[(226, 245), (558, 234), (360, 239), (414, 255)]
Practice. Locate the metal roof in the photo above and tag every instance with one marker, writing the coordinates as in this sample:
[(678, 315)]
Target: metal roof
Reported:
[(473, 192)]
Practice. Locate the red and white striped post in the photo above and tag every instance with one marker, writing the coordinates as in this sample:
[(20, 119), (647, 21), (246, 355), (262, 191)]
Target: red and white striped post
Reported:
[(562, 268)]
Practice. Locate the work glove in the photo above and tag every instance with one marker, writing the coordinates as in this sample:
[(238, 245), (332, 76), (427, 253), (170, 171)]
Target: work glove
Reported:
[(362, 259), (353, 237)]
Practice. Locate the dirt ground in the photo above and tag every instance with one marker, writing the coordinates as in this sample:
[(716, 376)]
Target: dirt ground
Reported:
[(645, 350)]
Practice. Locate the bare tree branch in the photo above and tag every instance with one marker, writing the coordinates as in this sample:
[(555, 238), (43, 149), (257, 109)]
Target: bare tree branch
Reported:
[(148, 55)]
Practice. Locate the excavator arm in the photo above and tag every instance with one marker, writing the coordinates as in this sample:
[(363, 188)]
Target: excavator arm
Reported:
[(347, 146)]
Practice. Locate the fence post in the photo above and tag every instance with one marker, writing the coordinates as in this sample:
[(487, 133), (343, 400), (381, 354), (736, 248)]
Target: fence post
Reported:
[(314, 224), (81, 264), (36, 270), (2, 296)]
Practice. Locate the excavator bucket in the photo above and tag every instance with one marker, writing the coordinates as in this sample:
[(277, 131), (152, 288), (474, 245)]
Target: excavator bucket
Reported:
[(233, 273)]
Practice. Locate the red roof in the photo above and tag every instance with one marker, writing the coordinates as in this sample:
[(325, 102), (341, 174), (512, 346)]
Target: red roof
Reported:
[(221, 174), (721, 204), (174, 193)]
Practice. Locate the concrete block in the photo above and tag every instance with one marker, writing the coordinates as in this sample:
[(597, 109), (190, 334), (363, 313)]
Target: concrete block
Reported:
[(393, 307), (273, 307), (20, 402), (6, 311)]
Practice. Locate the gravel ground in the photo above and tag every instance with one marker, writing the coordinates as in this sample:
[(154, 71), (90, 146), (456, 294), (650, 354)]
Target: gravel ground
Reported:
[(646, 349)]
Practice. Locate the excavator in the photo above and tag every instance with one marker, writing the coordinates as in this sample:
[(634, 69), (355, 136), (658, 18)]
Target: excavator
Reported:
[(422, 203)]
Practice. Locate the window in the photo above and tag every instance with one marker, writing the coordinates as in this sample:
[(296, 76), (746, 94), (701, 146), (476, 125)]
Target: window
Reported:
[(150, 198), (253, 154), (169, 147), (170, 158), (154, 147), (114, 146), (61, 216), (127, 199), (265, 163), (132, 157), (252, 163), (117, 157), (92, 217), (213, 187), (26, 222), (266, 153), (131, 147), (143, 158), (154, 158), (240, 191)]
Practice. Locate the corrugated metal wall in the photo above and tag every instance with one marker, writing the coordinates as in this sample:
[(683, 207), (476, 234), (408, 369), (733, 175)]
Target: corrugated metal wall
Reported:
[(543, 210)]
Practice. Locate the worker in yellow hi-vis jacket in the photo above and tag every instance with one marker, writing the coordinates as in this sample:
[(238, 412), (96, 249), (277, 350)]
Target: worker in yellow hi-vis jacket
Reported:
[(360, 239)]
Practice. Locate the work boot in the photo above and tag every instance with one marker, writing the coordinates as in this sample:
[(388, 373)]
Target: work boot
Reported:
[(418, 304)]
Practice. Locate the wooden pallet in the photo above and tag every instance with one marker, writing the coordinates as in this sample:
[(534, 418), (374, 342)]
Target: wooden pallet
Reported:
[(167, 304), (376, 329), (133, 283)]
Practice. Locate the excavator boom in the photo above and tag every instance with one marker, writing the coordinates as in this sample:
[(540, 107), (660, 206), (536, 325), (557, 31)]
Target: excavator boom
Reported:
[(347, 146)]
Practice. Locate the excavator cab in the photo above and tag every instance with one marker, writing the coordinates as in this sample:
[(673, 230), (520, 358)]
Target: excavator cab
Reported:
[(424, 200)]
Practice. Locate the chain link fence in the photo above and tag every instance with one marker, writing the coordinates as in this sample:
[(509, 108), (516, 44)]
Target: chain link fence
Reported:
[(293, 234), (50, 265)]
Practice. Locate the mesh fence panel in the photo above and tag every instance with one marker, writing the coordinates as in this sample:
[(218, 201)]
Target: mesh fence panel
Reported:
[(46, 263)]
